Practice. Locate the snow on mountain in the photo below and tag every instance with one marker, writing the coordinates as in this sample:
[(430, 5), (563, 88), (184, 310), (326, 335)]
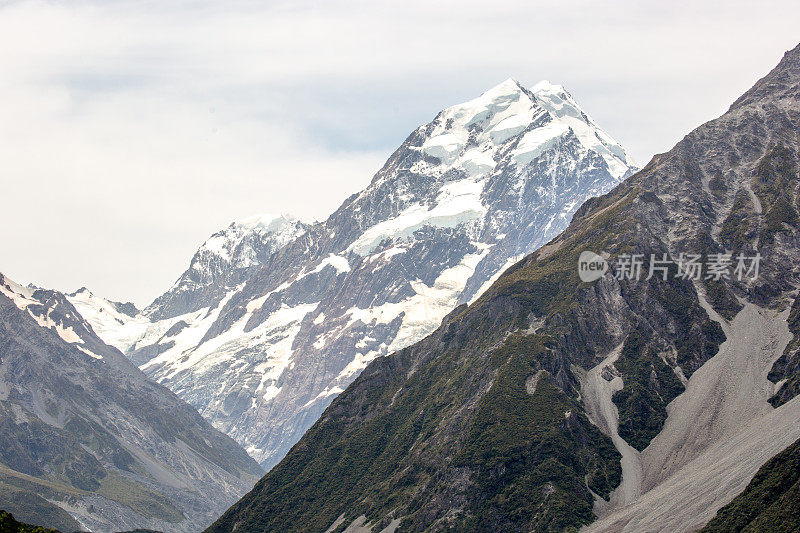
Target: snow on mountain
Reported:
[(120, 325), (218, 267), (560, 103), (261, 350), (235, 244)]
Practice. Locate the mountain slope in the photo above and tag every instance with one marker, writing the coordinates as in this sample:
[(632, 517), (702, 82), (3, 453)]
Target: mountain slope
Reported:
[(771, 502), (543, 405), (87, 441), (466, 195)]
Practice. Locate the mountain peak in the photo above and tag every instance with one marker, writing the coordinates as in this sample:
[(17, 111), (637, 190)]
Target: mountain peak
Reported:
[(779, 84), (507, 86), (226, 243), (547, 86), (497, 98), (266, 221), (508, 111), (285, 330), (14, 287), (564, 109), (223, 261)]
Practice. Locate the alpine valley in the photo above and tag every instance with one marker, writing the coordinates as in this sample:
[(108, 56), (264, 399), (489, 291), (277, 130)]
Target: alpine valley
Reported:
[(274, 318), (630, 403)]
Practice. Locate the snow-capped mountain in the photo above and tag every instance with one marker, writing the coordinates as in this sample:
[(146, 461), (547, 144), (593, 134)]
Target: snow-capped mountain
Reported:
[(88, 442), (463, 198)]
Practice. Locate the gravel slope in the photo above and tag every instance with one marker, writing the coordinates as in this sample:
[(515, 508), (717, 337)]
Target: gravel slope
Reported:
[(719, 432)]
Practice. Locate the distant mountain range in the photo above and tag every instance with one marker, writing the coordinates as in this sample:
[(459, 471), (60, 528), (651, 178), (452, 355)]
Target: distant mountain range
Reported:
[(275, 317), (87, 441), (636, 401)]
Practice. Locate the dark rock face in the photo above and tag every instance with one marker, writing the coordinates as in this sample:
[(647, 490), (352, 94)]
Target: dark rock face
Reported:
[(446, 433), (268, 347), (86, 438), (786, 372)]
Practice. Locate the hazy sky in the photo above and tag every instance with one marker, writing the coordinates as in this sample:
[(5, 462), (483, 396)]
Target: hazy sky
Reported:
[(132, 130)]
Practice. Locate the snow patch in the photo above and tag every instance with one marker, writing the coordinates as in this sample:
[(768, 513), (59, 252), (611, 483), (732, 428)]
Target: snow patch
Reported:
[(477, 163), (270, 392), (444, 147), (328, 391), (336, 261), (535, 142), (89, 352), (114, 328), (458, 202), (509, 127)]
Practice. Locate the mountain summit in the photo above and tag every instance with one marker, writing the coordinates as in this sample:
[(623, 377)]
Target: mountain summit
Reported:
[(261, 350)]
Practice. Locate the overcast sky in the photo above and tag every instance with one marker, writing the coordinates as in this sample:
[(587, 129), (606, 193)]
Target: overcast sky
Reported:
[(132, 130)]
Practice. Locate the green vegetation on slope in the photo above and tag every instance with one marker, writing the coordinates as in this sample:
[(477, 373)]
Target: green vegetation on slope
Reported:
[(29, 506), (788, 365), (770, 503), (9, 525), (388, 445), (735, 232), (772, 183), (650, 384), (532, 449), (26, 443), (550, 287), (146, 502)]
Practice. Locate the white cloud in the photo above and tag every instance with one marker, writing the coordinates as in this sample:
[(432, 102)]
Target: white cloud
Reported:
[(130, 130)]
